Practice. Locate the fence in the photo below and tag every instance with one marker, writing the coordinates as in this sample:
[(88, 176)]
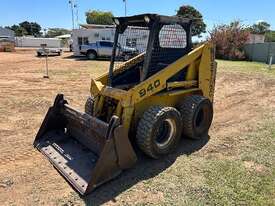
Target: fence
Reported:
[(262, 52)]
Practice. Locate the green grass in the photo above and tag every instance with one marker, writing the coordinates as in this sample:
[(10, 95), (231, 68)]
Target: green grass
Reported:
[(246, 67), (245, 178), (249, 177), (230, 183)]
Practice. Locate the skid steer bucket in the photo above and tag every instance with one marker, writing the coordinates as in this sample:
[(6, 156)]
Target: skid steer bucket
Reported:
[(85, 150)]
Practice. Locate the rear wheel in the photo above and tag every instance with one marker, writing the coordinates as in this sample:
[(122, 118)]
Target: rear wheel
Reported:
[(159, 131), (89, 106), (91, 55), (197, 115)]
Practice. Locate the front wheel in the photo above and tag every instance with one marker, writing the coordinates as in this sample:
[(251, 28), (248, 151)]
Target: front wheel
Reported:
[(159, 131), (91, 55)]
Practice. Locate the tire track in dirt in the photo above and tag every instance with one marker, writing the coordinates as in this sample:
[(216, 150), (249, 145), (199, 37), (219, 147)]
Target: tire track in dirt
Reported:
[(26, 155), (17, 150), (242, 102)]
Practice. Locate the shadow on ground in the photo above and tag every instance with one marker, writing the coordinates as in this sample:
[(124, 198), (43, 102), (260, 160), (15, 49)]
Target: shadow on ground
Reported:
[(84, 58), (144, 169)]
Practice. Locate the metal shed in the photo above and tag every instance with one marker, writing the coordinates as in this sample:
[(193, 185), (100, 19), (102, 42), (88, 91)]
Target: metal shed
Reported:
[(6, 34)]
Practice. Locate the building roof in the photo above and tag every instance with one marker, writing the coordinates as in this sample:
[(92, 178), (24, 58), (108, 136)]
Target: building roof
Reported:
[(6, 32), (65, 36)]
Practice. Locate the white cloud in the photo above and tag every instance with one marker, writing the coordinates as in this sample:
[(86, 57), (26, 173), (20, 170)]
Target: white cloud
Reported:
[(259, 21)]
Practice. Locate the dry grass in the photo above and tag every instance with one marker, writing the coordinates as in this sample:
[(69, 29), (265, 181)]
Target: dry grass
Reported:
[(234, 166)]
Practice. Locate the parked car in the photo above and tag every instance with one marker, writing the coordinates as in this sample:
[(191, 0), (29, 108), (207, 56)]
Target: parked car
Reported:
[(49, 51), (103, 49)]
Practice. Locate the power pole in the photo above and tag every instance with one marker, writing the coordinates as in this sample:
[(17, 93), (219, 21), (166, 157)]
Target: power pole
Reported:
[(72, 9), (77, 19), (125, 6)]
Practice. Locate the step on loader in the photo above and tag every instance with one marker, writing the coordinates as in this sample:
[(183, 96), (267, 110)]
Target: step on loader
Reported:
[(151, 101)]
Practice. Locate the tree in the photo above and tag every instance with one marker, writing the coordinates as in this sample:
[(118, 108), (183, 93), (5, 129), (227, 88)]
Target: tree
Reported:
[(53, 32), (270, 36), (99, 17), (26, 28), (32, 28), (259, 28), (18, 31), (199, 26), (230, 40)]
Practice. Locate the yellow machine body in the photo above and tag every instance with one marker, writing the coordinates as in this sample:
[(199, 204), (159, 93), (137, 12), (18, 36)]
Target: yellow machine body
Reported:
[(90, 148), (200, 79)]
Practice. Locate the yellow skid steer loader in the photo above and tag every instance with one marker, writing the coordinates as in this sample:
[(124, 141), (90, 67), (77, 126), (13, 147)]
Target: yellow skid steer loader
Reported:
[(162, 93)]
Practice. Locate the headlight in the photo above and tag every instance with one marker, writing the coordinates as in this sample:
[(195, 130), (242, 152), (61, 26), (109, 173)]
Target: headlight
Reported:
[(117, 22), (147, 19)]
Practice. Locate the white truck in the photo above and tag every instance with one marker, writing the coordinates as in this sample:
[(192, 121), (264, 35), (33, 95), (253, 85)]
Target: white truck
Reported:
[(103, 49)]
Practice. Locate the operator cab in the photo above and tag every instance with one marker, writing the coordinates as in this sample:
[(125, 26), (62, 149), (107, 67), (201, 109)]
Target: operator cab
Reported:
[(159, 40)]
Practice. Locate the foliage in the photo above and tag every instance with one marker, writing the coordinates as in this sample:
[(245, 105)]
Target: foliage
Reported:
[(53, 32), (199, 26), (229, 40), (259, 28), (99, 17), (32, 28), (19, 31), (270, 36), (26, 28)]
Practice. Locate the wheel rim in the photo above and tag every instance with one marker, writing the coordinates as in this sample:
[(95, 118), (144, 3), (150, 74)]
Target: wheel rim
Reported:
[(165, 133)]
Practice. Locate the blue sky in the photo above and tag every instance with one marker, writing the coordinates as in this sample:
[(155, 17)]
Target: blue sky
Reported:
[(56, 13)]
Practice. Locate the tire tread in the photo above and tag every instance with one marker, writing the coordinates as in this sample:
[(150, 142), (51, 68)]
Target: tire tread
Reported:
[(187, 110), (145, 127)]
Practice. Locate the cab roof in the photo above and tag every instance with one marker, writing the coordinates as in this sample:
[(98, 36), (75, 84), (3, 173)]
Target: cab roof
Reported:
[(142, 20)]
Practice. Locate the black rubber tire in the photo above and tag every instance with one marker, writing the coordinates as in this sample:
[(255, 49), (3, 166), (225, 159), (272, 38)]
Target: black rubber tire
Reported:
[(91, 55), (89, 106), (148, 131), (39, 54), (197, 116)]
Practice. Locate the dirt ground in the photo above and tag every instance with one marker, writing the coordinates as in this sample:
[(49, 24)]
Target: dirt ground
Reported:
[(242, 102)]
